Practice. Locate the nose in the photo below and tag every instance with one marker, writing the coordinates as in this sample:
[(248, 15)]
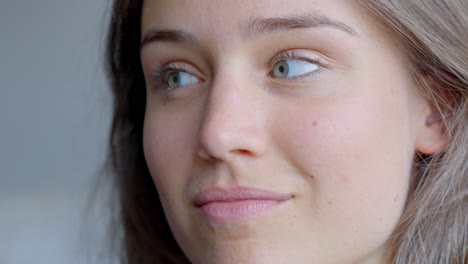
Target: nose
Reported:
[(233, 122)]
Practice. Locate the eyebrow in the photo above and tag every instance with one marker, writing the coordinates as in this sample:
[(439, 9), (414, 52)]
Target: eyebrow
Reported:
[(254, 27), (166, 35), (259, 26)]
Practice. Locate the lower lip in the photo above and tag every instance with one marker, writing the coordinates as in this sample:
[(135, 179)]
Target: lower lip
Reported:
[(237, 210)]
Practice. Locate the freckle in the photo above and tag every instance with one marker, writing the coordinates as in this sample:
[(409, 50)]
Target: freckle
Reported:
[(329, 202), (314, 124)]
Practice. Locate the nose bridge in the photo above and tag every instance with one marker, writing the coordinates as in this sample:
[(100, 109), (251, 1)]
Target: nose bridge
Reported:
[(233, 122)]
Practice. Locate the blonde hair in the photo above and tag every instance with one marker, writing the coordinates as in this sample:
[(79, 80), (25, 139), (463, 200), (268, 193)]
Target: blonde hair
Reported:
[(434, 225)]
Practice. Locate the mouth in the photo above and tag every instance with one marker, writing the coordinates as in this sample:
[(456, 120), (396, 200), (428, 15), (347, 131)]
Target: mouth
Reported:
[(226, 205)]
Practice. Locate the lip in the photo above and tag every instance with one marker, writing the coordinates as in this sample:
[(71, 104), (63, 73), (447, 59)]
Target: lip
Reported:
[(225, 205)]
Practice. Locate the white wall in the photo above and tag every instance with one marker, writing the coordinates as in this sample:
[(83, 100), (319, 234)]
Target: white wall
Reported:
[(54, 117)]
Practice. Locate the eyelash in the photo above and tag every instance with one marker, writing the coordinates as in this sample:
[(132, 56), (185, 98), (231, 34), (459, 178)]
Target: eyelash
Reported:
[(291, 54), (160, 72), (297, 55)]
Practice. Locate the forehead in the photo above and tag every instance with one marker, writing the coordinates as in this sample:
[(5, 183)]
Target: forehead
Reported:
[(227, 18)]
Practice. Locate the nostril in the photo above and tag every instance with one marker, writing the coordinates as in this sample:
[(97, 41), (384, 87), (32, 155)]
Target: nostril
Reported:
[(243, 152), (204, 155)]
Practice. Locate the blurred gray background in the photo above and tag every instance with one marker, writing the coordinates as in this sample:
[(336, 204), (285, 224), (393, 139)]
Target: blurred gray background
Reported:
[(55, 115)]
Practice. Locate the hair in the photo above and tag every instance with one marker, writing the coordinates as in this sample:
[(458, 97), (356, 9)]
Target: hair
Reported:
[(434, 223)]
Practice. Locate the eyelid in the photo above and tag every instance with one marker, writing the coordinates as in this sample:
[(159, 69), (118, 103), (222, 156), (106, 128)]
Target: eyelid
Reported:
[(295, 54), (159, 75), (163, 69), (306, 55), (159, 71)]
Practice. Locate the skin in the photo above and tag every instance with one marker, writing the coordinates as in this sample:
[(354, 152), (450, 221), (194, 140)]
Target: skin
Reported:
[(341, 141)]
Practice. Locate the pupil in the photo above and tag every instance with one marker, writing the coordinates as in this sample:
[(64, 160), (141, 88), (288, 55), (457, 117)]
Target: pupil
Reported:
[(175, 79), (281, 69)]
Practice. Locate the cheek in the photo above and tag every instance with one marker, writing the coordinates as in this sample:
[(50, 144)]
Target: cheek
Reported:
[(356, 156), (168, 142), (346, 133)]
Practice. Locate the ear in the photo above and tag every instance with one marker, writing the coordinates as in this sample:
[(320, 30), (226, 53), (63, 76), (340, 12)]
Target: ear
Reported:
[(431, 137)]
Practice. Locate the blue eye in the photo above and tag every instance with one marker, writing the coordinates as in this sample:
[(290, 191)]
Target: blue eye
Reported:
[(177, 79), (293, 68)]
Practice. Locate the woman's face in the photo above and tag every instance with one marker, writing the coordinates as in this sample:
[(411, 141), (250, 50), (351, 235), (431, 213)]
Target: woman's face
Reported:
[(277, 131)]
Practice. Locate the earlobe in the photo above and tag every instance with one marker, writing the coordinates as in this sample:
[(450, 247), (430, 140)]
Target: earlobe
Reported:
[(432, 138)]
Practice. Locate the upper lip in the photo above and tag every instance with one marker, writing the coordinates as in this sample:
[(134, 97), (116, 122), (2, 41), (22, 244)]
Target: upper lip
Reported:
[(236, 194)]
